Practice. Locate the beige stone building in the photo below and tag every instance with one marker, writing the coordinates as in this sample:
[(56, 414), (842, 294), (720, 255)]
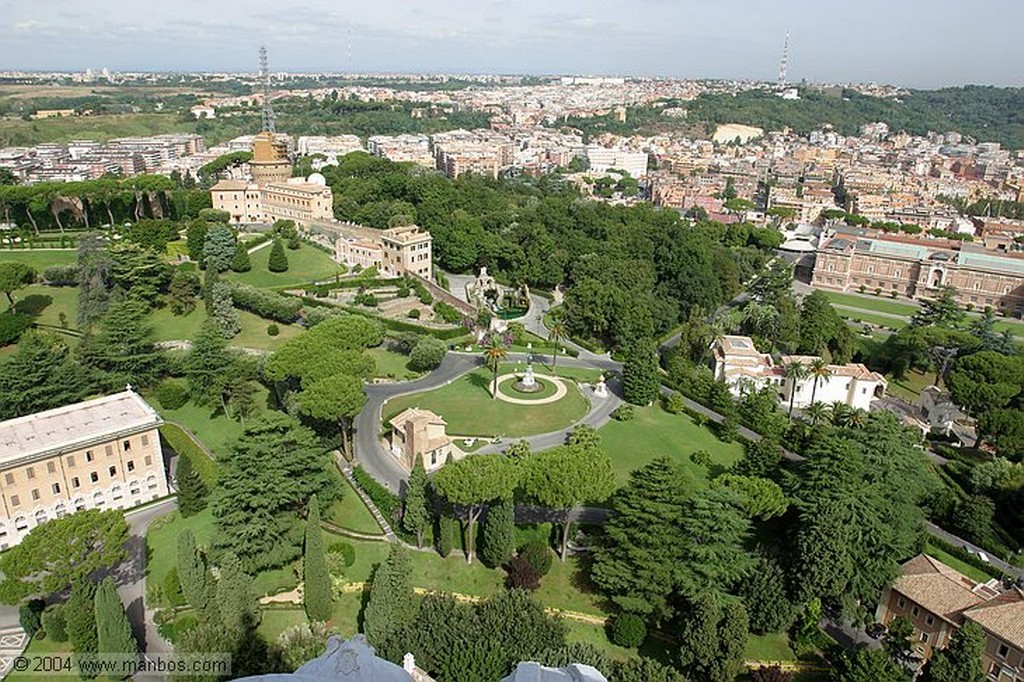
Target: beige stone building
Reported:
[(417, 433), (102, 453), (406, 250), (849, 260)]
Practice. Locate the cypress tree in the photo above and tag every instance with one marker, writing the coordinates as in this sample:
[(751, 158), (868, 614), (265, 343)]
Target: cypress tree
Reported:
[(192, 491), (114, 632), (416, 515), (445, 534), (241, 262), (278, 261), (234, 600), (640, 373), (499, 536), (195, 581), (391, 606), (80, 615), (318, 591)]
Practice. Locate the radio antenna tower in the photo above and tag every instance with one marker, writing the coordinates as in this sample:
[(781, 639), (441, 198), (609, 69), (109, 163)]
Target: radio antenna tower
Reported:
[(350, 50), (268, 109), (784, 63)]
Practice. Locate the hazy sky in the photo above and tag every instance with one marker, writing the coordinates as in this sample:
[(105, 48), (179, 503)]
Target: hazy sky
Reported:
[(920, 43)]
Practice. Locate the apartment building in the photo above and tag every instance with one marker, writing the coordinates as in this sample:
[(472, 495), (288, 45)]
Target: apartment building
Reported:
[(406, 250), (101, 453)]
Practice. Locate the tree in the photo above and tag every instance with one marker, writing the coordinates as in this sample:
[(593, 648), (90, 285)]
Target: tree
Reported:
[(416, 513), (764, 596), (14, 276), (94, 273), (141, 273), (770, 673), (816, 411), (499, 533), (427, 354), (640, 373), (961, 660), (207, 362), (819, 370), (870, 665), (564, 478), (494, 354), (940, 310), (218, 248), (986, 381), (192, 492), (234, 601), (240, 262), (444, 534), (195, 240), (713, 638), (60, 552), (114, 638), (472, 483), (628, 630), (318, 589), (713, 530), (897, 639), (278, 261), (124, 348), (392, 605), (760, 498), (192, 572), (80, 614), (222, 309), (41, 374), (183, 289), (556, 333), (337, 398), (793, 372)]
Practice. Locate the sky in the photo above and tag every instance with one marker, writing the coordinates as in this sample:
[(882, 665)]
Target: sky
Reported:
[(916, 43)]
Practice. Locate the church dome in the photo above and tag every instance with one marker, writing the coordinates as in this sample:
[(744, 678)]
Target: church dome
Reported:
[(317, 179)]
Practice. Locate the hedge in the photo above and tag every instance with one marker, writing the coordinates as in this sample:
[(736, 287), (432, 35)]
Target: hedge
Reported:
[(387, 502), (965, 556), (267, 304), (182, 444), (12, 326)]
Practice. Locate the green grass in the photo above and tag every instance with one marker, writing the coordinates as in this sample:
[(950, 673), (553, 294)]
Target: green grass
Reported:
[(567, 587), (46, 304), (391, 364), (880, 304), (276, 620), (305, 264), (910, 386), (350, 512), (43, 647), (170, 327), (1016, 328), (655, 433), (39, 259), (587, 633), (209, 424), (182, 444), (954, 563), (100, 127), (469, 410), (771, 647), (274, 581), (162, 541), (871, 318)]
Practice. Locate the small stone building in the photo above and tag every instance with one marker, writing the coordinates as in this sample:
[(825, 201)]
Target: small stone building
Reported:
[(420, 433)]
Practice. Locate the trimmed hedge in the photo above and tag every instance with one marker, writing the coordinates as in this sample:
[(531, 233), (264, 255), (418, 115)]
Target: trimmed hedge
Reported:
[(394, 325), (965, 556), (386, 501), (267, 304), (61, 275)]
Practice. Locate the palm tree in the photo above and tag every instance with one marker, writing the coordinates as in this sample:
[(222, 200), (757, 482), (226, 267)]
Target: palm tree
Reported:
[(494, 354), (856, 418), (816, 411), (555, 334), (838, 412), (793, 372), (819, 370)]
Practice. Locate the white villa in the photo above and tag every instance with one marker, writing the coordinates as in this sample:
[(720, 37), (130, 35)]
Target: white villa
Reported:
[(743, 368)]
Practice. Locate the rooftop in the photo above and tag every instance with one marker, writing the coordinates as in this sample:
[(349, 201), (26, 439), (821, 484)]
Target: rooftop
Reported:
[(1003, 616), (938, 588), (71, 426), (415, 414)]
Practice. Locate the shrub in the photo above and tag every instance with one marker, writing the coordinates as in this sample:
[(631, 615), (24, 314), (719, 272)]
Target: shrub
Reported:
[(385, 500), (447, 312), (61, 275), (273, 330), (278, 261), (520, 574), (427, 354), (444, 535), (172, 588), (265, 303), (701, 458), (771, 673), (538, 555), (347, 551), (172, 394), (403, 290), (674, 403), (623, 413), (30, 616), (413, 314), (628, 630), (12, 326), (55, 625)]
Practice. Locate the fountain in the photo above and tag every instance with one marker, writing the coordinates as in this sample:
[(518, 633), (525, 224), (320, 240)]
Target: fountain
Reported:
[(529, 383)]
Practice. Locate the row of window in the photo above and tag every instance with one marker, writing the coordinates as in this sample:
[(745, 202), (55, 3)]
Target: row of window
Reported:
[(94, 477), (51, 466), (21, 522)]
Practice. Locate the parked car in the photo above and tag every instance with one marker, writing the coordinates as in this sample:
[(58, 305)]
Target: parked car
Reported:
[(876, 630), (983, 557)]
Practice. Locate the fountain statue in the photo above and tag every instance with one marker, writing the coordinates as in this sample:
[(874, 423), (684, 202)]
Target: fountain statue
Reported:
[(601, 390), (529, 383)]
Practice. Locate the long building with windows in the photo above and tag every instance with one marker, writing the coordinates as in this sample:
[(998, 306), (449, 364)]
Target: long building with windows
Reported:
[(102, 453)]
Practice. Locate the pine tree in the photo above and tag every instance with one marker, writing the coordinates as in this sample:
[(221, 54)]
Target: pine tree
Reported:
[(195, 580), (640, 373), (278, 261), (94, 266), (416, 515), (192, 492), (114, 632), (499, 533), (219, 248), (124, 347), (391, 606), (234, 600), (318, 590), (207, 362), (445, 535), (222, 310), (80, 615), (241, 262)]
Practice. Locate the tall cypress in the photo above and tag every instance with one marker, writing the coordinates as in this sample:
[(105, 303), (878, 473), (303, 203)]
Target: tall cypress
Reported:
[(114, 636), (234, 602), (195, 580), (241, 262), (416, 515), (499, 534), (80, 614), (318, 591), (640, 373), (391, 606), (192, 492), (278, 261)]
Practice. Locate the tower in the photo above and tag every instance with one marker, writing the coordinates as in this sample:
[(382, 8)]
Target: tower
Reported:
[(268, 109), (784, 63)]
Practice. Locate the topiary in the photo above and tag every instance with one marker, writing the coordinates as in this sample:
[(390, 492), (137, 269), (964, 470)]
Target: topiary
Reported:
[(273, 330), (627, 630), (520, 574), (413, 314), (172, 588), (54, 624), (623, 413), (172, 394), (344, 549), (537, 554)]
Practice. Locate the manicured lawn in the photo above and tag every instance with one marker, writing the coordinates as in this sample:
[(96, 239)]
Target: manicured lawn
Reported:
[(46, 304), (162, 541), (566, 586), (772, 647), (347, 608), (911, 385), (350, 512), (184, 446), (43, 647), (881, 304), (654, 433), (1016, 328), (391, 364), (962, 566), (274, 581), (587, 633), (306, 264), (170, 327), (470, 411), (453, 574), (274, 621), (871, 318), (40, 259), (208, 422)]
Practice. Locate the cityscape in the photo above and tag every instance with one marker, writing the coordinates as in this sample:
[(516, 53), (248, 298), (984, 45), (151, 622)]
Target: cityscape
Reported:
[(594, 372)]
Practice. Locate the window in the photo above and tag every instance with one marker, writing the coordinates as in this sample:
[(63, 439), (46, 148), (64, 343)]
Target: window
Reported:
[(433, 458), (109, 450), (924, 637), (50, 467), (9, 479), (131, 465), (1004, 650), (55, 488), (916, 611), (148, 461), (30, 473), (930, 620), (145, 440), (94, 477), (113, 471), (127, 445), (21, 523), (75, 482), (15, 501), (88, 455), (902, 602), (35, 493), (71, 462)]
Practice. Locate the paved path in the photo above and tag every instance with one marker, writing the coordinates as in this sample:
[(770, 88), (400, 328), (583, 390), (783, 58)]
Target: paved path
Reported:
[(13, 639), (346, 470), (131, 577), (261, 245)]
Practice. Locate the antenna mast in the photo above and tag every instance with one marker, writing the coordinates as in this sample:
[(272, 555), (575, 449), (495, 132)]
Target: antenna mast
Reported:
[(784, 63), (268, 109)]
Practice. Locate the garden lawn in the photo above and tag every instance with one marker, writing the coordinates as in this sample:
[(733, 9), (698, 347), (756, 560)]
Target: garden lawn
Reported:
[(44, 647), (306, 264), (467, 406), (350, 512), (391, 365), (962, 566), (170, 327), (880, 304), (771, 647), (39, 259), (588, 633), (909, 387), (567, 587), (871, 318), (208, 422), (274, 621), (162, 541), (45, 304), (655, 433), (184, 446)]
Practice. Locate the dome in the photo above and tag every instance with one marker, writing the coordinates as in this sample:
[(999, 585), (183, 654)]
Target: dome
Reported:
[(317, 179)]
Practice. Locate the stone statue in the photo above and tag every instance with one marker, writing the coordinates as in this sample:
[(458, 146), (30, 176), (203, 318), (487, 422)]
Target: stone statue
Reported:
[(600, 389)]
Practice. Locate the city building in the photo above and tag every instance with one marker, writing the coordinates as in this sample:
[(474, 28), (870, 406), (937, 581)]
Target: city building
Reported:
[(743, 368), (938, 600), (101, 453), (406, 250), (303, 200), (849, 260), (420, 434), (602, 159), (362, 252)]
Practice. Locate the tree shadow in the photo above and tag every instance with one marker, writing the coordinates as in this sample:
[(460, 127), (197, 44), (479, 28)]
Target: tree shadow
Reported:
[(364, 598), (716, 470), (33, 304), (480, 381)]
